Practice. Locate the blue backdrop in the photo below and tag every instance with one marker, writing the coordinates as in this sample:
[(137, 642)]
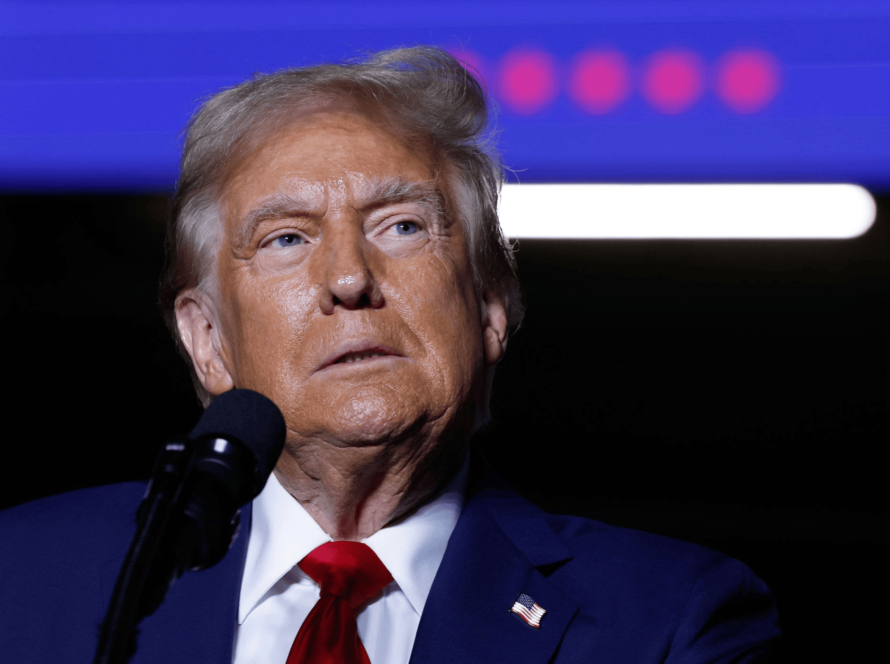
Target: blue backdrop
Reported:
[(93, 96)]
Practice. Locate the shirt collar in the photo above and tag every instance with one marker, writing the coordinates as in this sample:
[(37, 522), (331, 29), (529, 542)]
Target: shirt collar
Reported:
[(282, 533), (412, 550)]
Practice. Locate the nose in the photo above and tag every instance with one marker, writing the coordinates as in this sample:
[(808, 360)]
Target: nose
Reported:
[(348, 280)]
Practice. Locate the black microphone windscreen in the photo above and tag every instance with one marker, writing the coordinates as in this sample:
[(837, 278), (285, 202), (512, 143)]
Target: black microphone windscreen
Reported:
[(251, 418)]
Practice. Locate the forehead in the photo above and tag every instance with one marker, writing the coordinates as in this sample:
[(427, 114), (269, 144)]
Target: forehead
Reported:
[(323, 154)]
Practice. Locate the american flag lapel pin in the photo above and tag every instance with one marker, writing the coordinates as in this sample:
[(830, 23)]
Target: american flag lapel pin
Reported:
[(527, 609)]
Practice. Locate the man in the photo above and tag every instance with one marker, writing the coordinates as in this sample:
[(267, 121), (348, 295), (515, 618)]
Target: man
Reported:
[(335, 246)]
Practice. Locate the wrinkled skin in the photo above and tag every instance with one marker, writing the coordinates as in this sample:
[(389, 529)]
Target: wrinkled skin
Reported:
[(344, 265)]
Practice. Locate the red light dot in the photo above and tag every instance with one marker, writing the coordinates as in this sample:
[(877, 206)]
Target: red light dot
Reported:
[(673, 81), (747, 80), (528, 81), (599, 81)]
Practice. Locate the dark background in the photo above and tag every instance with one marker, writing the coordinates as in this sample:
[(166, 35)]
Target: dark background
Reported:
[(728, 393)]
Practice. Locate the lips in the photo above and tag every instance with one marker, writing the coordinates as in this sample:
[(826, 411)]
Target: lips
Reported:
[(358, 357), (351, 352)]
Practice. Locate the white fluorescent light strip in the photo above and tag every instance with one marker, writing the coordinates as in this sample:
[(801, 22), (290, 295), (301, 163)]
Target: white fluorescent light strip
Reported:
[(686, 211)]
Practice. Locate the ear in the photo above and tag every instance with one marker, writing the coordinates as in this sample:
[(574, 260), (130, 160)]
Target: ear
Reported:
[(494, 345), (494, 328), (198, 327)]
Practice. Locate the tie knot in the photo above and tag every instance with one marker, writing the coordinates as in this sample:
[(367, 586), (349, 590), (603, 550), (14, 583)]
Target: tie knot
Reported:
[(348, 570)]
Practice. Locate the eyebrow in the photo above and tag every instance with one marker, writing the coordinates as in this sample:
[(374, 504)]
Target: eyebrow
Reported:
[(279, 206), (399, 190), (383, 192)]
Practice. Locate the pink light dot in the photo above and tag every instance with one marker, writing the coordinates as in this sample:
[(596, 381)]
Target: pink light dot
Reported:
[(747, 81), (528, 81), (599, 81), (673, 81)]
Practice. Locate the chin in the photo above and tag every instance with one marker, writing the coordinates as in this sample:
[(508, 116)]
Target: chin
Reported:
[(370, 416)]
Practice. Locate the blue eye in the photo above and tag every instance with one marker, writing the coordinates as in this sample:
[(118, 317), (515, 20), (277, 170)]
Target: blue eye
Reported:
[(406, 228), (289, 240)]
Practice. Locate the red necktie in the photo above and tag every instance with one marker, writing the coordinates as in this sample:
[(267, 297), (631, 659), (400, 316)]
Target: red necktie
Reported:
[(349, 573)]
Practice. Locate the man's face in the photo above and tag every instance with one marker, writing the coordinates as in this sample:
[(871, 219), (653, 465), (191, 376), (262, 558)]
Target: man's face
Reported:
[(345, 295)]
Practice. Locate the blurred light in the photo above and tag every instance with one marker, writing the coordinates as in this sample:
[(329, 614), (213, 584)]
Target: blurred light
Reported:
[(528, 80), (747, 80), (599, 81), (686, 211), (673, 81)]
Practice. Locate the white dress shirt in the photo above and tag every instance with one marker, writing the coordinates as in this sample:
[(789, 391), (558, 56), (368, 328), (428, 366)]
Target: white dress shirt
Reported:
[(276, 596)]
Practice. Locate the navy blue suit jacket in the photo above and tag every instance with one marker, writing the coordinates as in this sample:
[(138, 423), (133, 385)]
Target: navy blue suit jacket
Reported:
[(611, 594)]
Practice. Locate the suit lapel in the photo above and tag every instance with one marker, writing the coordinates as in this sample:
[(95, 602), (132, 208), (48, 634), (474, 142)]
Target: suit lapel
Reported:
[(196, 622), (494, 554)]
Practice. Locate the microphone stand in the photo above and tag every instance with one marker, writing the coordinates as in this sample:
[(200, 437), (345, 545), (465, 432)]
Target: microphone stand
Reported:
[(148, 570), (187, 521)]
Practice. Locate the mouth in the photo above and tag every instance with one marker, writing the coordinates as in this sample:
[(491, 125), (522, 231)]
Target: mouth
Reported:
[(358, 357), (361, 352)]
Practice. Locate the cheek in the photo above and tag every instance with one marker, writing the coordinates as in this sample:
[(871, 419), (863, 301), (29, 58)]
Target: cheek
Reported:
[(438, 302), (269, 327)]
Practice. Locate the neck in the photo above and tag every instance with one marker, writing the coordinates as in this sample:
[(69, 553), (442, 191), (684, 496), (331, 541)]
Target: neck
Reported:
[(354, 491)]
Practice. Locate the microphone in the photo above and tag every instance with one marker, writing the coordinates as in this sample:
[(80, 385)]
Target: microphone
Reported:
[(191, 511), (234, 448)]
